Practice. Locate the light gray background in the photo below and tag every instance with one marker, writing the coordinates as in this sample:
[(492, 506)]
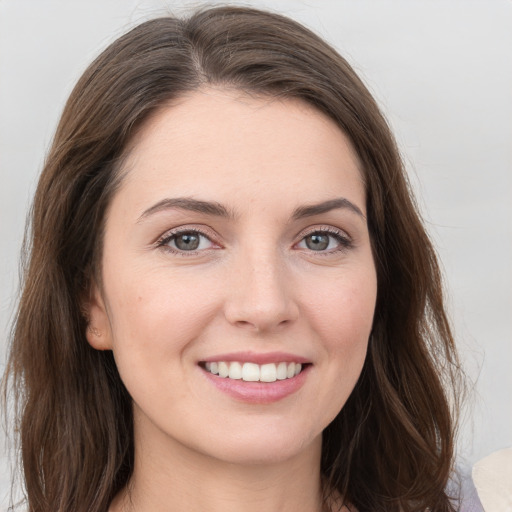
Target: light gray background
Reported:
[(442, 72)]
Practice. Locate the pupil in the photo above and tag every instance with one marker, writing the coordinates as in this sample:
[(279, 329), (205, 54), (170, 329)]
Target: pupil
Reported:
[(187, 242), (317, 242)]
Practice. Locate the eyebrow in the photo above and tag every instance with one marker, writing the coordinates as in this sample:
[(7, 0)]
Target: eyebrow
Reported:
[(189, 204), (326, 206), (218, 210)]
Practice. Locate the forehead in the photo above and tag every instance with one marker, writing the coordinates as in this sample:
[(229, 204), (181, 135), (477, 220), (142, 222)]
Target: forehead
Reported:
[(239, 146)]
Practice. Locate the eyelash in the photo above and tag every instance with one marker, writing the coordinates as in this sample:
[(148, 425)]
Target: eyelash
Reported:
[(170, 235), (343, 240)]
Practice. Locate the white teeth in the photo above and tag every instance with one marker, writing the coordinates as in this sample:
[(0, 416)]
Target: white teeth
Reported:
[(252, 372), (282, 370), (223, 369), (268, 372), (235, 371)]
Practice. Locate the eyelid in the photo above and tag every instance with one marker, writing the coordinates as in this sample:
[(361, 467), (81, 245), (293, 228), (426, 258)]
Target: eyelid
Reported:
[(324, 228), (344, 239), (186, 228)]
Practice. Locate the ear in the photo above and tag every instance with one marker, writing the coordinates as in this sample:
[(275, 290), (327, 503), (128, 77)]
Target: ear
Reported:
[(98, 331)]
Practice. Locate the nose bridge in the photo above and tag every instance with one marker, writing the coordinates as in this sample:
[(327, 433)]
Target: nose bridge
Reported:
[(260, 297)]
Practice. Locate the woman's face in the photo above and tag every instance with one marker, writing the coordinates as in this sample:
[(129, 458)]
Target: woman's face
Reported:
[(238, 244)]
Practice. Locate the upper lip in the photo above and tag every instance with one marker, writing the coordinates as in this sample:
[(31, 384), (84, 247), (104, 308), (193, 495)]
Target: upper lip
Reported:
[(257, 358)]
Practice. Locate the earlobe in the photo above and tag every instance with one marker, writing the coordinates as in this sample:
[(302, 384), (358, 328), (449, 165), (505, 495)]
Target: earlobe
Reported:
[(98, 331), (93, 331)]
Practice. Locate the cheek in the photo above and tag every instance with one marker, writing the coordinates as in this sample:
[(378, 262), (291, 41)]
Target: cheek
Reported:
[(156, 313), (344, 327), (342, 318), (344, 310), (155, 319)]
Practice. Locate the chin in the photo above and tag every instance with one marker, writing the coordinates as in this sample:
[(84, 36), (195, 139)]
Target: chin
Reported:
[(260, 449)]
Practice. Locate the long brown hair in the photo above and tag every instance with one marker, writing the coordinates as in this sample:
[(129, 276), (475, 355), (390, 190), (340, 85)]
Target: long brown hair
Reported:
[(391, 446)]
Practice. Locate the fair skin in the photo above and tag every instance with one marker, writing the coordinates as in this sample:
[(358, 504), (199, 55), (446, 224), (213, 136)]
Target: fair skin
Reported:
[(252, 277)]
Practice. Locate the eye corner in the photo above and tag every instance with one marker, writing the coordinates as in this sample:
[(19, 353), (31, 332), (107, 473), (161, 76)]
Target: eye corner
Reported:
[(330, 240), (196, 241)]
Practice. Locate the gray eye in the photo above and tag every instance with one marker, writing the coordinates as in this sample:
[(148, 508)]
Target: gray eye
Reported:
[(317, 242), (187, 241)]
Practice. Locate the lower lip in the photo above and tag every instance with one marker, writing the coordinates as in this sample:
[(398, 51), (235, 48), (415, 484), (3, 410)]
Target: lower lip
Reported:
[(258, 392)]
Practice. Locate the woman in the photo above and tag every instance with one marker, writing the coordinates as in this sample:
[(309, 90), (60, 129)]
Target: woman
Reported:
[(230, 301)]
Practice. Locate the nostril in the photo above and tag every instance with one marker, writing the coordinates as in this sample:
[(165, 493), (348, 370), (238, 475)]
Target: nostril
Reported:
[(261, 306), (247, 325), (261, 325)]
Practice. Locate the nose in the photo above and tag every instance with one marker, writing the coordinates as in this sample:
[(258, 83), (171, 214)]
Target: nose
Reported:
[(260, 294)]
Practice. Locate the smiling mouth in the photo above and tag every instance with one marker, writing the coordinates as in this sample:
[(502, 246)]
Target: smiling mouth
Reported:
[(252, 372)]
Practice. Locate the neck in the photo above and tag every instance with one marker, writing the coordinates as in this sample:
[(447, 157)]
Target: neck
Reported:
[(179, 478)]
